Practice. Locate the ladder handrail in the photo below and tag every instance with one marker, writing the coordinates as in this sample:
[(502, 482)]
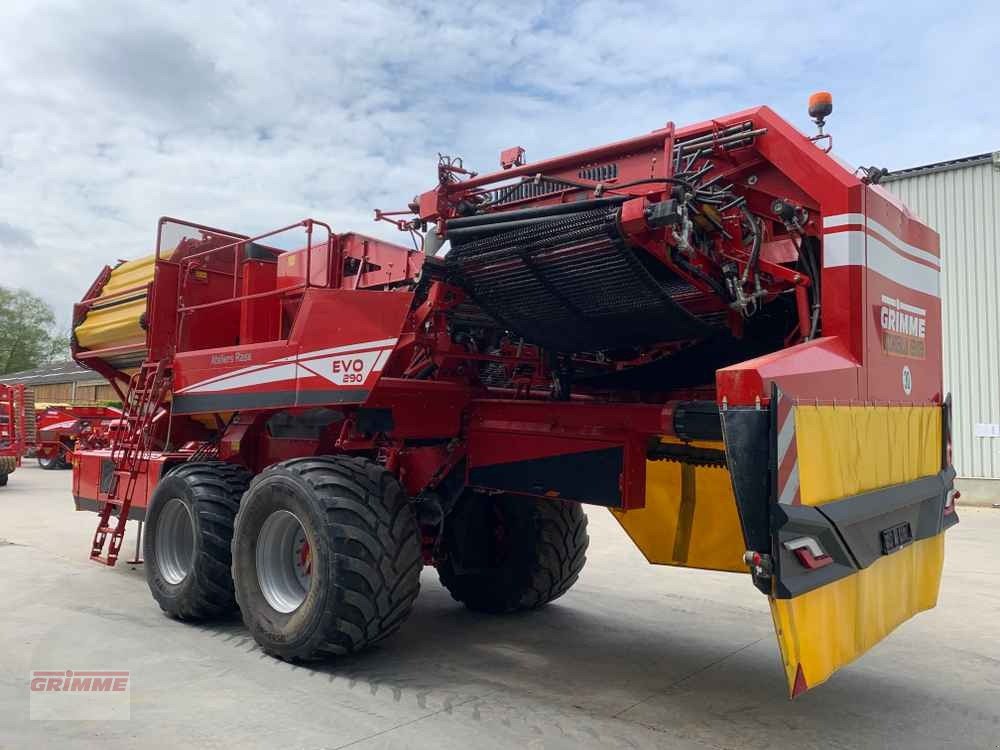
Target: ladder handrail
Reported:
[(130, 454)]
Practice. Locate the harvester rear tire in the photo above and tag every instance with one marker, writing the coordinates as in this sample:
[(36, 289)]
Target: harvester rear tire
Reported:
[(188, 535), (326, 557), (3, 479), (507, 553)]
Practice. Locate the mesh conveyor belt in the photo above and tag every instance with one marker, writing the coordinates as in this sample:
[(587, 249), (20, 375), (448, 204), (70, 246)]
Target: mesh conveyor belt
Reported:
[(570, 284)]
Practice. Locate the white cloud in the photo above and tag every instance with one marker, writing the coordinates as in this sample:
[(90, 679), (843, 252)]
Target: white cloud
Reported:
[(250, 115)]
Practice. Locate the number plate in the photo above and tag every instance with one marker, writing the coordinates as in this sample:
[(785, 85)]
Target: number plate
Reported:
[(895, 537)]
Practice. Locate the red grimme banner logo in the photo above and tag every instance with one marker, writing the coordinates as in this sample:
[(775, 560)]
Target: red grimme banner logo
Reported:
[(69, 681)]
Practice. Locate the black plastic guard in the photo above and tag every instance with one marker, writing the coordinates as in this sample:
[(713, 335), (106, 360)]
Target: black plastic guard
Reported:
[(918, 504), (746, 432), (853, 531), (793, 522)]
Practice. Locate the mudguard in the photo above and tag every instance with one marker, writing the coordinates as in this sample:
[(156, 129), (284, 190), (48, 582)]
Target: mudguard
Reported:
[(858, 502)]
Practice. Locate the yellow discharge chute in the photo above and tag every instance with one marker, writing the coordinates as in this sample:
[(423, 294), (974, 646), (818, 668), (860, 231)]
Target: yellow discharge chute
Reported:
[(113, 321)]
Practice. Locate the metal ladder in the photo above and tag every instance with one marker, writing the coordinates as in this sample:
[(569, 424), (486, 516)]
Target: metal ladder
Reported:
[(130, 453)]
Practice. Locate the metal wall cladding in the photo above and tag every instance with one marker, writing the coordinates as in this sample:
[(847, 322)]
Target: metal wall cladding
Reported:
[(962, 202)]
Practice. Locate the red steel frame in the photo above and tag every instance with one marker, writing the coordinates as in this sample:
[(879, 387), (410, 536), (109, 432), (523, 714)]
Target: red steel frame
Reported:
[(12, 422)]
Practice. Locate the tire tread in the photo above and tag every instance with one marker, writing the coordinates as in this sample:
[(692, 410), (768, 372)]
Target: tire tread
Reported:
[(216, 489), (377, 555), (547, 572)]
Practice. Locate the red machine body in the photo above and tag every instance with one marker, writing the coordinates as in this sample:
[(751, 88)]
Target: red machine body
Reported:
[(570, 324), (14, 429)]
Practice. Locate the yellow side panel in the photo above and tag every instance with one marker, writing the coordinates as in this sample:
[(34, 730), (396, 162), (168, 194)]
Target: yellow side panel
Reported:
[(690, 518), (826, 628), (117, 324), (129, 274), (847, 450), (112, 326)]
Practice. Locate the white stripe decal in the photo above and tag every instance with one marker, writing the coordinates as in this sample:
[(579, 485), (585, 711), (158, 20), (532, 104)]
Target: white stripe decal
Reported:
[(786, 434), (382, 358), (882, 259), (363, 346), (258, 377), (842, 220), (241, 371), (791, 486), (902, 245), (848, 249), (844, 249)]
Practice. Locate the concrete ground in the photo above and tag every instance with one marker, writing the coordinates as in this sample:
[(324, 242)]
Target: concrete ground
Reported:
[(634, 656), (982, 492)]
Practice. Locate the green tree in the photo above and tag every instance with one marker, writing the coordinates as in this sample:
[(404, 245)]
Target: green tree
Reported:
[(28, 334)]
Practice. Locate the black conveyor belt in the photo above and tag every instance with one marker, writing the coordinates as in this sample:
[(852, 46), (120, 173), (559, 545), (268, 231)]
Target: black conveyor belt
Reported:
[(568, 283)]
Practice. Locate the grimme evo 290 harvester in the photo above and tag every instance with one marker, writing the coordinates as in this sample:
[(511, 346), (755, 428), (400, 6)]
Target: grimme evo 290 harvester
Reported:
[(717, 332)]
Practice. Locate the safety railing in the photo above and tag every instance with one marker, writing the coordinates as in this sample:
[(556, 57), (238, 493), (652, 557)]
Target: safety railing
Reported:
[(332, 266)]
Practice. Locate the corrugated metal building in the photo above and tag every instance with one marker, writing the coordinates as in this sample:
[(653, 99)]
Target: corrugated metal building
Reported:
[(64, 383), (961, 200)]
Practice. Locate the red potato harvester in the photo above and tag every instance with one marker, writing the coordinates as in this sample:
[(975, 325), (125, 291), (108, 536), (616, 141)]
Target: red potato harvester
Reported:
[(63, 428), (16, 428), (49, 432), (717, 332)]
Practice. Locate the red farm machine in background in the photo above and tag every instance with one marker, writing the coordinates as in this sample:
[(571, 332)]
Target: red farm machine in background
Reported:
[(63, 428), (717, 332), (16, 428)]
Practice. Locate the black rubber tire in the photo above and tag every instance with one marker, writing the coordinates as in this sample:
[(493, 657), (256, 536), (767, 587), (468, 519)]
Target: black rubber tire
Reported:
[(366, 556), (212, 492), (54, 463), (3, 479), (534, 559)]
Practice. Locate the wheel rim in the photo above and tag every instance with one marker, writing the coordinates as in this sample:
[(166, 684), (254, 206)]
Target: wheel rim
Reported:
[(45, 462), (175, 541), (284, 561)]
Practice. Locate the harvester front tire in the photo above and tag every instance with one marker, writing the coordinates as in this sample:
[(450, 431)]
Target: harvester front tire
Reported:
[(326, 557), (188, 535), (507, 553)]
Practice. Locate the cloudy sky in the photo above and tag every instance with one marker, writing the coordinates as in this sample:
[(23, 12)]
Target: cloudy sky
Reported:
[(250, 115)]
